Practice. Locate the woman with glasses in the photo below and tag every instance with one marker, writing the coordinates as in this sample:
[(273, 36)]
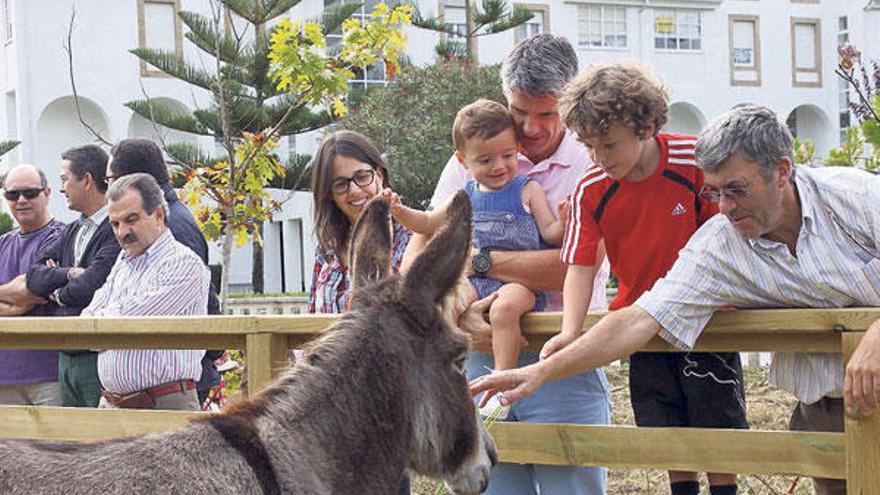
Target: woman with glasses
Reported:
[(348, 171)]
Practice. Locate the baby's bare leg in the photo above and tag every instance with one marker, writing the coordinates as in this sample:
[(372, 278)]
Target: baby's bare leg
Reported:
[(514, 300)]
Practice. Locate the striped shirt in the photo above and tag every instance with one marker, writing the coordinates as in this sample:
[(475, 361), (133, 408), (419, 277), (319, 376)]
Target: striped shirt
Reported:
[(168, 278), (837, 265)]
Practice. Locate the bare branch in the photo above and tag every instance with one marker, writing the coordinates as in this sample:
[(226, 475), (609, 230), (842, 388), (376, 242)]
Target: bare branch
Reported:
[(68, 47)]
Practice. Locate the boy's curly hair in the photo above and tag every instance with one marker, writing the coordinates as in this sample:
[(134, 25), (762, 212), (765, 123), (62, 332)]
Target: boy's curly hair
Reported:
[(482, 119), (622, 92)]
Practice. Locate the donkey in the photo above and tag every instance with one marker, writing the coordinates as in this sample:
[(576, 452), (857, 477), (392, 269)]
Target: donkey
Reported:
[(381, 392)]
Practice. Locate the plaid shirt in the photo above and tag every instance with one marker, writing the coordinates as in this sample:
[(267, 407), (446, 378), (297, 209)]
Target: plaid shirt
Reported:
[(329, 292)]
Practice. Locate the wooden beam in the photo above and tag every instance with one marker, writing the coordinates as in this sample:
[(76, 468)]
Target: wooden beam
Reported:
[(267, 357), (862, 440), (85, 424), (681, 449)]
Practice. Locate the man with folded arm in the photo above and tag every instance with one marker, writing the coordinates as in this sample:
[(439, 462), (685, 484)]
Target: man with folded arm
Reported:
[(154, 275)]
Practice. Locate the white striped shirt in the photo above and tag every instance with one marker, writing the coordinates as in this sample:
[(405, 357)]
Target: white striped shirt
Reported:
[(168, 278), (837, 265)]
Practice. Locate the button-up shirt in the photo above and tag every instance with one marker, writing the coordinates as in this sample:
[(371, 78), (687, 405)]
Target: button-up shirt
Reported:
[(837, 264), (88, 226), (558, 174), (167, 278)]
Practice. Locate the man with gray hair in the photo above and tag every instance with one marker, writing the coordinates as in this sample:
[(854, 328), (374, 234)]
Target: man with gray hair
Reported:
[(533, 76), (783, 239), (154, 275)]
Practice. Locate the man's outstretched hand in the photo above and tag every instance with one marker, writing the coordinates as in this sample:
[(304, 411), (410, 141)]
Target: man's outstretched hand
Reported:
[(513, 384)]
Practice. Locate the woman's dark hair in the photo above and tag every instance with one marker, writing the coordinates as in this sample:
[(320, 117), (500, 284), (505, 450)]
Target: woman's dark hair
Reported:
[(332, 227)]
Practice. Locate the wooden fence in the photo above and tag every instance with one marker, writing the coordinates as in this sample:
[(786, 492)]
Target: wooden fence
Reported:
[(854, 454)]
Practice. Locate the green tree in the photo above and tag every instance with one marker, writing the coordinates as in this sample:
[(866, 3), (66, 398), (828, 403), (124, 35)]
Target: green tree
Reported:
[(7, 146), (492, 17), (265, 82), (411, 120)]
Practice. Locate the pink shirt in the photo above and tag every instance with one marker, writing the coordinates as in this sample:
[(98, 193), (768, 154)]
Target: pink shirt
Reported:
[(558, 175)]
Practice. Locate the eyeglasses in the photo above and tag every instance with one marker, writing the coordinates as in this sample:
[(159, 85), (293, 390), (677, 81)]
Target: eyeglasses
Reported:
[(361, 178), (733, 191), (27, 193)]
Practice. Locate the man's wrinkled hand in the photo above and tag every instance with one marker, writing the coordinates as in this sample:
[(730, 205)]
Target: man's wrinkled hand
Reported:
[(861, 387), (474, 321), (556, 343), (75, 272), (513, 384)]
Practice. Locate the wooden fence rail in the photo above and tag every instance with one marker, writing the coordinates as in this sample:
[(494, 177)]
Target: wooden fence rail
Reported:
[(854, 455)]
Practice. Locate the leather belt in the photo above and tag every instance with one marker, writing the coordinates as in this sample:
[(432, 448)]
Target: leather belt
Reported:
[(146, 399)]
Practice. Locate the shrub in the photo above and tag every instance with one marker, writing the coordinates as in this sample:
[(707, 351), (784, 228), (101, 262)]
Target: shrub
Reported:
[(5, 223), (411, 120)]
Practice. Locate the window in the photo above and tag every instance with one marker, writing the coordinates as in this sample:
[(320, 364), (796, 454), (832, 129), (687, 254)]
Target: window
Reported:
[(454, 18), (745, 50), (6, 17), (677, 30), (806, 55), (373, 75), (539, 23), (602, 26), (844, 116), (159, 28)]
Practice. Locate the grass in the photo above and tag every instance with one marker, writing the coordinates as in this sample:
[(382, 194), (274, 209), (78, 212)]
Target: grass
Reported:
[(768, 409)]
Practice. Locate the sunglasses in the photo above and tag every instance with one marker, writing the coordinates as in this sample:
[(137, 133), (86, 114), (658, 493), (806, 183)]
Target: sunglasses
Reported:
[(27, 193), (362, 178)]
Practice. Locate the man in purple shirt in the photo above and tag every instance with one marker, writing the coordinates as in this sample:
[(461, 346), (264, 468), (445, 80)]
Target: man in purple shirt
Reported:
[(26, 377)]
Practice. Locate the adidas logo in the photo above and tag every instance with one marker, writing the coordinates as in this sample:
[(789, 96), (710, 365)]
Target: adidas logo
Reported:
[(679, 210)]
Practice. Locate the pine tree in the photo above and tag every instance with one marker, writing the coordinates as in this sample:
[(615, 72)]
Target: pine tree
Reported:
[(493, 17)]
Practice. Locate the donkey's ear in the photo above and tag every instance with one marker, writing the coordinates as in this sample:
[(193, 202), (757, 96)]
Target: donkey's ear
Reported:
[(370, 251), (437, 270)]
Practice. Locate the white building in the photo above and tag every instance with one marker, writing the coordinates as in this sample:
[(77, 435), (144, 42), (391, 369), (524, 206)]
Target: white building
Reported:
[(712, 54)]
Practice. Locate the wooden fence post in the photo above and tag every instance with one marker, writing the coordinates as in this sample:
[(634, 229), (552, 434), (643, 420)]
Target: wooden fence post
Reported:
[(862, 440), (266, 359)]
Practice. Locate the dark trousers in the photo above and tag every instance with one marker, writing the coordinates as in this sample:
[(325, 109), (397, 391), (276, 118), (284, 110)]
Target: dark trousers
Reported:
[(404, 485), (78, 379), (824, 415)]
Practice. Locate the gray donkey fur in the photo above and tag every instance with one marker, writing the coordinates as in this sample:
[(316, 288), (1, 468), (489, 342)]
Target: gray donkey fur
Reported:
[(382, 391)]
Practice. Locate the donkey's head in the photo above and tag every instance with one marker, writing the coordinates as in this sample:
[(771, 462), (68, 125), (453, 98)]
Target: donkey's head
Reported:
[(447, 439)]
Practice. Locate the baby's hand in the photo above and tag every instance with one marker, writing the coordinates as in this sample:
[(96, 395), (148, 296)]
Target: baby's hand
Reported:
[(392, 197), (563, 207)]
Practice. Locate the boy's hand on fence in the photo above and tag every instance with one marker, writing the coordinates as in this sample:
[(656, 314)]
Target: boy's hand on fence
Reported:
[(861, 387), (556, 343)]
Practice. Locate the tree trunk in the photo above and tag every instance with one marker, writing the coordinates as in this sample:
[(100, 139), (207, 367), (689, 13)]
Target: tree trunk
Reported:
[(225, 265), (471, 35), (257, 268)]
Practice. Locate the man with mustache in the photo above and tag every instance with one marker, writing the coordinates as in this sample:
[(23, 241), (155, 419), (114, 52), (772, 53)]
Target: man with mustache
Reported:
[(787, 237), (154, 275), (26, 377)]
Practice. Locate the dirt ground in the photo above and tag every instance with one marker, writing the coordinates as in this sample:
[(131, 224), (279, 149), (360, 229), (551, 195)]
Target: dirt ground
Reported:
[(767, 407)]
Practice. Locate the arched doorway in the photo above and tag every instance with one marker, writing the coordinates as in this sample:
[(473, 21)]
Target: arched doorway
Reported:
[(59, 128)]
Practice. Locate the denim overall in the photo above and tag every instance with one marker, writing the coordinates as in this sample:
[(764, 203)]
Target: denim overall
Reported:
[(501, 223)]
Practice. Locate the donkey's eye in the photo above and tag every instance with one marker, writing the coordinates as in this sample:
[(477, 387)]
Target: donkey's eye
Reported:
[(459, 363)]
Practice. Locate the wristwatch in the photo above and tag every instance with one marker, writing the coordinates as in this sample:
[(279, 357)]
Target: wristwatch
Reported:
[(482, 262)]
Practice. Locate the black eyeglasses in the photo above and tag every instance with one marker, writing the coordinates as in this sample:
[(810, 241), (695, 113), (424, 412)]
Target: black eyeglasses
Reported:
[(361, 178), (27, 193), (733, 191)]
